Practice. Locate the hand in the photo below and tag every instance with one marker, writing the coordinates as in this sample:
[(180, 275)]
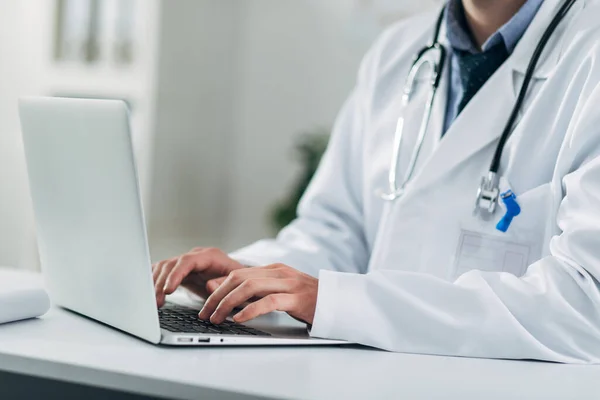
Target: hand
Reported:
[(201, 271), (275, 287)]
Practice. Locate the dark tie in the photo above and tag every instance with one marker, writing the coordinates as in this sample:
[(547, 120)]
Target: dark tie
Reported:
[(476, 69)]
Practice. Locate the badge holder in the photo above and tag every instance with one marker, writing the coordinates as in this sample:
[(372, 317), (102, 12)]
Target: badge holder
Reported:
[(509, 199)]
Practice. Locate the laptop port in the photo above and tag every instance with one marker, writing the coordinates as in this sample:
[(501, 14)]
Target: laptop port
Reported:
[(185, 340), (204, 340)]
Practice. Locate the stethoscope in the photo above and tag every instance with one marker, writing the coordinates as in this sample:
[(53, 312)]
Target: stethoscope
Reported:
[(434, 57)]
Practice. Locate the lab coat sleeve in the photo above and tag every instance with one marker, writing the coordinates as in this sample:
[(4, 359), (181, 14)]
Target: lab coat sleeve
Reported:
[(551, 313), (328, 232)]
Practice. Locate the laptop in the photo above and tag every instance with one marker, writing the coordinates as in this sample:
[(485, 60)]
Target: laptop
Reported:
[(92, 235)]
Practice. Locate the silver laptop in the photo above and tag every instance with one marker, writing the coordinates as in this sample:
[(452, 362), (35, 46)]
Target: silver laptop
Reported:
[(91, 230)]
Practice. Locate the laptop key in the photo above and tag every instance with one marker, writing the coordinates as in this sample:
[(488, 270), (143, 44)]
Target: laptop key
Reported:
[(179, 319), (240, 332), (169, 328), (257, 332)]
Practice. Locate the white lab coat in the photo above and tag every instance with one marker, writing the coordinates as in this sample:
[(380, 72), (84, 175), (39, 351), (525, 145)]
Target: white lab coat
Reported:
[(387, 270)]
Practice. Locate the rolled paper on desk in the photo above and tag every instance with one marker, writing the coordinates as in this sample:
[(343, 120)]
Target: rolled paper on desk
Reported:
[(21, 296)]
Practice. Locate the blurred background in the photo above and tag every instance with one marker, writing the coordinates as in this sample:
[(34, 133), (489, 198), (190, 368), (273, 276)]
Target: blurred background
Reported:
[(231, 102)]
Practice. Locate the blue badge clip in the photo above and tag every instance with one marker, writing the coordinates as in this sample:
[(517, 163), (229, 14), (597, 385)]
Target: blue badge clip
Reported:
[(512, 210)]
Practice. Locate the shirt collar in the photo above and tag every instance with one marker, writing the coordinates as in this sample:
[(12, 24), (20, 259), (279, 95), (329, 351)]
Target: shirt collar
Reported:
[(509, 34)]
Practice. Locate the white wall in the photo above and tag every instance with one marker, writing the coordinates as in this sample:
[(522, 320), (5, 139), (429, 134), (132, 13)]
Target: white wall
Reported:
[(23, 27), (238, 83), (298, 63), (194, 124)]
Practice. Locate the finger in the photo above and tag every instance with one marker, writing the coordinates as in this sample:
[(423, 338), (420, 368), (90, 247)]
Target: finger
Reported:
[(274, 302), (234, 279), (162, 272), (250, 288), (214, 284), (198, 262), (157, 268), (160, 281)]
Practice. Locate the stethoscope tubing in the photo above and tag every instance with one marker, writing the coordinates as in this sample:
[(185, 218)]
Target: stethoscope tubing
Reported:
[(562, 13), (489, 182)]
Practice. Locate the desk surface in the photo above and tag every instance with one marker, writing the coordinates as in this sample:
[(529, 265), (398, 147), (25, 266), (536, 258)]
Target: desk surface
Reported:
[(67, 347)]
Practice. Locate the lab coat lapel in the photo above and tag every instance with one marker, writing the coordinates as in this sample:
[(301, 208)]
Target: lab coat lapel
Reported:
[(479, 124), (482, 121), (550, 57), (523, 52)]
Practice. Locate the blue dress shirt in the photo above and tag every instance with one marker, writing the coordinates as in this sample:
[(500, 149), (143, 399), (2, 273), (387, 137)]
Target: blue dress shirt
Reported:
[(460, 39)]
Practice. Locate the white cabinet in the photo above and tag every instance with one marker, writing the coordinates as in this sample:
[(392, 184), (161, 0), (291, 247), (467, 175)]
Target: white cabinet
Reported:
[(107, 49)]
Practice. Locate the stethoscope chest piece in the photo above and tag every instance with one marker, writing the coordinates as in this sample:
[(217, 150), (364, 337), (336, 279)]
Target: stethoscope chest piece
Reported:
[(487, 196)]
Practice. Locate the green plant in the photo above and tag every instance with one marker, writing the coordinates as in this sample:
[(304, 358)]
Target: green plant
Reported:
[(309, 149)]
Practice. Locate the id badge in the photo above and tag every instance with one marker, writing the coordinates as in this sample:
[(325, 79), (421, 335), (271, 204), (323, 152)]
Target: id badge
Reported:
[(493, 253)]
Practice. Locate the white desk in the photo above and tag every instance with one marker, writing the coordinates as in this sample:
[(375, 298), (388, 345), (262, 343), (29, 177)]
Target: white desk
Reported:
[(67, 347)]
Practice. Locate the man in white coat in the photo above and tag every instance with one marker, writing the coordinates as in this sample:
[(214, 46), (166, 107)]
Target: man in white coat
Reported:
[(422, 273)]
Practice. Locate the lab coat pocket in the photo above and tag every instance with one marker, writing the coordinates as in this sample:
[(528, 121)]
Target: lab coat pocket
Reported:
[(531, 223), (481, 246)]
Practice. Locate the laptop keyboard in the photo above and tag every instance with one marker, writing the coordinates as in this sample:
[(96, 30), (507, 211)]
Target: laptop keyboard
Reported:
[(185, 320)]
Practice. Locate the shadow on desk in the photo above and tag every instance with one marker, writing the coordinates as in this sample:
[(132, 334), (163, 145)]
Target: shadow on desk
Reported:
[(20, 387)]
